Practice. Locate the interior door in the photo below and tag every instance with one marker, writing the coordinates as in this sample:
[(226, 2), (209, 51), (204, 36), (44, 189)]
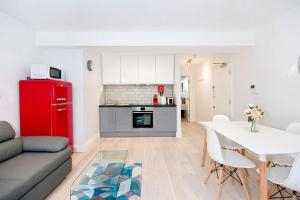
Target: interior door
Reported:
[(221, 89)]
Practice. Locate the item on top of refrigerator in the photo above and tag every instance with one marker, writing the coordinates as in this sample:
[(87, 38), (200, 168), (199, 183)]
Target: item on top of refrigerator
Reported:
[(161, 89), (155, 100), (43, 71)]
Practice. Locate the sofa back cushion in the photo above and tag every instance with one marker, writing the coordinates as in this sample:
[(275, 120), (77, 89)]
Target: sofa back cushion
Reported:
[(10, 148), (6, 131)]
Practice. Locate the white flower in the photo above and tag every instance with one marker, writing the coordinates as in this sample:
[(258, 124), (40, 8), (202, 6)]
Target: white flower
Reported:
[(251, 106), (253, 112), (247, 112)]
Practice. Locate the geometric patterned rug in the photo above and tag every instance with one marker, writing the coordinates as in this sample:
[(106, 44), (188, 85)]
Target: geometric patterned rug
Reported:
[(128, 187)]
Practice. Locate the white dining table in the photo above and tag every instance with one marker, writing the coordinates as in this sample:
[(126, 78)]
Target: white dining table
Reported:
[(264, 142)]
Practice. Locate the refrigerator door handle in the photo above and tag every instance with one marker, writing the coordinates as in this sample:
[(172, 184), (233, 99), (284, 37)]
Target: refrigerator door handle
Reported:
[(61, 99), (61, 109)]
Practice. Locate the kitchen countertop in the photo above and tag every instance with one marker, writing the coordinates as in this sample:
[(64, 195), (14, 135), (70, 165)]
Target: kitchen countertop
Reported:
[(134, 105)]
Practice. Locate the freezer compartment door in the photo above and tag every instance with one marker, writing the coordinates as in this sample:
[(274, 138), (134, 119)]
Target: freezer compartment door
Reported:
[(61, 92)]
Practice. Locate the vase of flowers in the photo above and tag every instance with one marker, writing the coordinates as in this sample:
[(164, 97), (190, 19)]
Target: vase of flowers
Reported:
[(253, 113)]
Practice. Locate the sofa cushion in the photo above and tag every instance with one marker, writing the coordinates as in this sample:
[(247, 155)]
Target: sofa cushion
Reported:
[(6, 131), (10, 149), (21, 173), (44, 143)]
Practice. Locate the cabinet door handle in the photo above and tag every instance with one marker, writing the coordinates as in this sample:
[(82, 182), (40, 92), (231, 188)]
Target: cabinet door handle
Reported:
[(61, 109)]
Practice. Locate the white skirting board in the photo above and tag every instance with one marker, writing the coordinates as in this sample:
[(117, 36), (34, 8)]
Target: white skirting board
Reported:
[(87, 145)]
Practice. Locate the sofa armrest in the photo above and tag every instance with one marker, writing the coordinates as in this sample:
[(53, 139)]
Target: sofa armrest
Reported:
[(44, 143)]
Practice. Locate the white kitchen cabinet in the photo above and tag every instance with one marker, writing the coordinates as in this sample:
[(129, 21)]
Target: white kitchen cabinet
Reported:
[(133, 69), (129, 69), (111, 69), (164, 69), (146, 72)]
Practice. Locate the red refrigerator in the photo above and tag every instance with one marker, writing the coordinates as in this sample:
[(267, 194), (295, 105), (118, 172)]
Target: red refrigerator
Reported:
[(46, 108)]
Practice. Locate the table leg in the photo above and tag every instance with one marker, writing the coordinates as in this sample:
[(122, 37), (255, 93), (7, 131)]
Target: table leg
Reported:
[(263, 187), (204, 148)]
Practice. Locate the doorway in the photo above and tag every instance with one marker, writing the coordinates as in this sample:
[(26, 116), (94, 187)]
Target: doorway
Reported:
[(185, 98), (209, 78)]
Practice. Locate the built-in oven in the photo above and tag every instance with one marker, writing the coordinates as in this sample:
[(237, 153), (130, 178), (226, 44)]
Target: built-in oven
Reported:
[(142, 117)]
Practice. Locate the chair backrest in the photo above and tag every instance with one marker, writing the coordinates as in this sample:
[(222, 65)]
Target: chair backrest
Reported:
[(221, 119), (294, 128), (214, 147), (293, 180)]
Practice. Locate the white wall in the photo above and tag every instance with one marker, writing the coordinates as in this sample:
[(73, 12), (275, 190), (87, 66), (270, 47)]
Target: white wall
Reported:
[(178, 94), (272, 67), (92, 94), (17, 52), (71, 61)]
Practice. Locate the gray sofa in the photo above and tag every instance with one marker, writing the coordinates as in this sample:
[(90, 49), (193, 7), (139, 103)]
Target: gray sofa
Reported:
[(31, 167)]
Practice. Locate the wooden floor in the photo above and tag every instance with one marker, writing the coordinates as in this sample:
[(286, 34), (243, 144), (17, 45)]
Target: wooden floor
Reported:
[(171, 168)]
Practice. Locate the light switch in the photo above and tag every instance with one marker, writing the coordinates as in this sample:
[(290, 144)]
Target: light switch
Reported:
[(253, 89)]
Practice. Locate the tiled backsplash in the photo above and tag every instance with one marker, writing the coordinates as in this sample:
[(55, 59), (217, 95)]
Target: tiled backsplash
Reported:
[(133, 94)]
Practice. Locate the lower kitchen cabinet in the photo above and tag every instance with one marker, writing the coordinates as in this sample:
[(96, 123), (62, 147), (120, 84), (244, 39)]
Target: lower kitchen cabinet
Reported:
[(107, 119), (124, 119), (164, 119), (116, 121)]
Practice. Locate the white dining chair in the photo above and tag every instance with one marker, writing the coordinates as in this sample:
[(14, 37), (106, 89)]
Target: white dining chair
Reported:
[(225, 142), (286, 159), (227, 161), (284, 178)]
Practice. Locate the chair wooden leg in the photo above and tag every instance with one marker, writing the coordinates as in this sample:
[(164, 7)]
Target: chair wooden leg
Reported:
[(232, 179), (243, 152), (294, 197), (204, 149), (211, 168), (245, 184), (219, 185), (271, 190)]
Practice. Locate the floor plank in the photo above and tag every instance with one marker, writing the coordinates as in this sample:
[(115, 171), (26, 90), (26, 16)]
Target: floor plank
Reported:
[(171, 168)]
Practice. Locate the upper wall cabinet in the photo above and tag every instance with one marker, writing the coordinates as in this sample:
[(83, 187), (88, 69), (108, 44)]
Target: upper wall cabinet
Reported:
[(146, 72), (129, 69), (111, 69), (164, 69), (133, 69)]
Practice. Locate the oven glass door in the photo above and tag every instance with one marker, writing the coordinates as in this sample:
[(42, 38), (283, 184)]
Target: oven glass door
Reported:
[(142, 119)]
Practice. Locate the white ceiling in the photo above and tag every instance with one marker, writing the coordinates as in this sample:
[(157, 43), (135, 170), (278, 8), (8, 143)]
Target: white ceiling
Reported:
[(146, 15)]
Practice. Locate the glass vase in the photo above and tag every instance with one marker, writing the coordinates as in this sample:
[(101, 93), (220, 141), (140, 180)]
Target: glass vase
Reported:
[(253, 126)]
